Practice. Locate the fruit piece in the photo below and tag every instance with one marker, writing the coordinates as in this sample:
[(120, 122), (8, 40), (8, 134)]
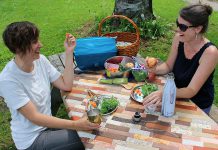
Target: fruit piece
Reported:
[(67, 35), (93, 104), (151, 62), (137, 91), (129, 65), (106, 81), (69, 38), (120, 81), (113, 69)]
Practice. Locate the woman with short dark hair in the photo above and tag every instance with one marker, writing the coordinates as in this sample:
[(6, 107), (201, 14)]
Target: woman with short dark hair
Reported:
[(26, 89), (193, 59)]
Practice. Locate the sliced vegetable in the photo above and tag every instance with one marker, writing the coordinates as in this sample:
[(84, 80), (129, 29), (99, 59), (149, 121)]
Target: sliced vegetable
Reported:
[(112, 69), (120, 81), (114, 81), (106, 81)]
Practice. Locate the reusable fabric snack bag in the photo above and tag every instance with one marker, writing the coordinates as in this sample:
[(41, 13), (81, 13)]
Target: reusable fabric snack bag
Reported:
[(92, 52)]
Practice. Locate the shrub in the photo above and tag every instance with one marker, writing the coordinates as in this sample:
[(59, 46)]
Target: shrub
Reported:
[(153, 29), (149, 29)]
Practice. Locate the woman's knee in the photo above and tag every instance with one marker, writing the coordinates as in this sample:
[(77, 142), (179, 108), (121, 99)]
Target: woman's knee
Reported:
[(58, 139), (74, 140)]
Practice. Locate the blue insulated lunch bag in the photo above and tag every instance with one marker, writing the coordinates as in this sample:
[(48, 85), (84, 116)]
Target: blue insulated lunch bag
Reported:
[(92, 52)]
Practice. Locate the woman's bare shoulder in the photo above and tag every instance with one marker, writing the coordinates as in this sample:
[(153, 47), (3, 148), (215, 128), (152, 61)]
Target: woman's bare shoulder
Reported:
[(211, 53), (212, 50)]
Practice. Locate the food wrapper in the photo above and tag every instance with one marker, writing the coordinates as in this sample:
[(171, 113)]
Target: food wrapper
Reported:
[(139, 62), (125, 61)]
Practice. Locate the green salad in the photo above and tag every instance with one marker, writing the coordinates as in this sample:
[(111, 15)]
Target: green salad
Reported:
[(148, 88), (108, 104)]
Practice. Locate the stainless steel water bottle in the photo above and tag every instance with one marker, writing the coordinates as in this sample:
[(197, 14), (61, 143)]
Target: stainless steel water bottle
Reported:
[(169, 96)]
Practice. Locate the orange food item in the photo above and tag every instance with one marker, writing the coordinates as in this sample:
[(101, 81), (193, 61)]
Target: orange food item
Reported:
[(112, 69), (69, 38), (67, 35), (129, 65), (138, 91), (93, 104), (151, 62)]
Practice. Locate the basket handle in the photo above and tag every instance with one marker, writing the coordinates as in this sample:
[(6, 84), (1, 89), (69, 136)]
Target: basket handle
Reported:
[(119, 16)]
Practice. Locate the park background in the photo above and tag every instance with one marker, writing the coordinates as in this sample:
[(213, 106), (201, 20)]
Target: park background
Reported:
[(56, 18)]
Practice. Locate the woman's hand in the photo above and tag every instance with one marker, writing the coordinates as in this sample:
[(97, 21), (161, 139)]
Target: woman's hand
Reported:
[(70, 43), (85, 124), (153, 98)]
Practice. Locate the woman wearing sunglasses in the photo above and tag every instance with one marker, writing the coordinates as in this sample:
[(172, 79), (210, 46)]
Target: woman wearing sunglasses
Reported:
[(192, 59)]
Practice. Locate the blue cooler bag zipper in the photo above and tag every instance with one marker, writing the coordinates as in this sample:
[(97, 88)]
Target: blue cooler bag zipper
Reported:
[(92, 52)]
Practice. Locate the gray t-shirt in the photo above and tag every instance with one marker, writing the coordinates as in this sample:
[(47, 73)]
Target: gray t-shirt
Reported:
[(18, 88)]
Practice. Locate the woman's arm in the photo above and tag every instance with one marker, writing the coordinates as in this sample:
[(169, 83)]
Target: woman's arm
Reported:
[(167, 66), (65, 82), (164, 68), (207, 64), (30, 112)]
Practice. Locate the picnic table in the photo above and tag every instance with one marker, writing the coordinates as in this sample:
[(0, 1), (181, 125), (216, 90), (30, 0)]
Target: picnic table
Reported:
[(190, 128)]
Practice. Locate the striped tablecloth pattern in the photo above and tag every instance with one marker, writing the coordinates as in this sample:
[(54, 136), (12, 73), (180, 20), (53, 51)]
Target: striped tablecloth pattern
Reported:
[(189, 128)]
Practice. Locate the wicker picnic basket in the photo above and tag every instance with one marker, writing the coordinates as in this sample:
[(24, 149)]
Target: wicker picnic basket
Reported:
[(133, 38)]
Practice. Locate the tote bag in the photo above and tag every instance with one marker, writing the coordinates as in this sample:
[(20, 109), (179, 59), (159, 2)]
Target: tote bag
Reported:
[(91, 53)]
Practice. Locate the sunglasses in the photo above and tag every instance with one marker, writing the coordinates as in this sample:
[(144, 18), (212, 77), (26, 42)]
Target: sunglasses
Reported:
[(182, 27)]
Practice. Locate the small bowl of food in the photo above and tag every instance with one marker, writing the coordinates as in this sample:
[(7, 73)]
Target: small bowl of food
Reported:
[(106, 104), (141, 91), (118, 66)]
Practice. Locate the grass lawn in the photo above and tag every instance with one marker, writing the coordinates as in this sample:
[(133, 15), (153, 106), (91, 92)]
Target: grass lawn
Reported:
[(55, 18)]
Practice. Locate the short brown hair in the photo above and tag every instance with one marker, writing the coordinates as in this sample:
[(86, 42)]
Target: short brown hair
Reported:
[(197, 15), (19, 36)]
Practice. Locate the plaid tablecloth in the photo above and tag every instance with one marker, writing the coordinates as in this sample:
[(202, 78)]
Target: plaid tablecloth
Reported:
[(189, 128)]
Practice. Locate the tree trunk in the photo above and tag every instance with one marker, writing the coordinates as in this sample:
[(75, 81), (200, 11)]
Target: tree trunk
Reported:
[(137, 10)]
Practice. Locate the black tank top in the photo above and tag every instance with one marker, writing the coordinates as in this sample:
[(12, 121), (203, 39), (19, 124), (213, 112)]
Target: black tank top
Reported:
[(184, 69)]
